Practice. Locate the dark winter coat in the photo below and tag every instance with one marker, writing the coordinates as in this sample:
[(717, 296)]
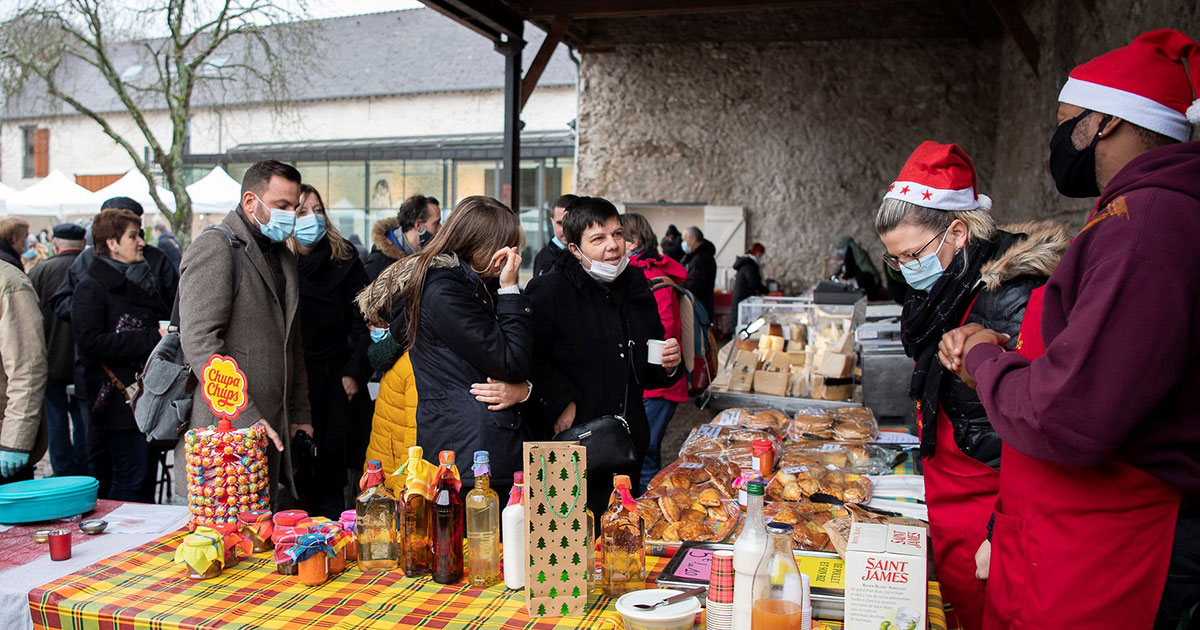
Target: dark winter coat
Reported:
[(701, 264), (170, 247), (748, 280), (331, 327), (384, 250), (591, 349), (547, 258), (47, 276), (115, 323), (467, 334), (166, 276), (1006, 283)]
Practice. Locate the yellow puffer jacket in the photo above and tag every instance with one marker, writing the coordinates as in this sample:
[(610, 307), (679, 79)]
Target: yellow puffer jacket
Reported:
[(394, 425)]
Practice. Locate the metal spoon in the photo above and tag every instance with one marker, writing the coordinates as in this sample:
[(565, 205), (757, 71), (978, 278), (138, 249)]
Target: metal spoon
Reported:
[(674, 599)]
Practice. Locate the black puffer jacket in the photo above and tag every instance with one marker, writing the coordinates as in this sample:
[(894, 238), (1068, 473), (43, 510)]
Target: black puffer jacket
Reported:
[(585, 333), (701, 266), (1007, 283), (467, 334)]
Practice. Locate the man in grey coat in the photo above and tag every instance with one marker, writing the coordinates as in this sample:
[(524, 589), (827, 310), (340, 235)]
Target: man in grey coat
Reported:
[(258, 325)]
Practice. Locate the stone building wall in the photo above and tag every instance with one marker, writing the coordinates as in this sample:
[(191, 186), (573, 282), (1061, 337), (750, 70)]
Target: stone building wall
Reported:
[(806, 135)]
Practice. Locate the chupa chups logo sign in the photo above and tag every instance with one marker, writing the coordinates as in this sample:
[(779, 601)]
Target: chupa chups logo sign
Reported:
[(224, 387)]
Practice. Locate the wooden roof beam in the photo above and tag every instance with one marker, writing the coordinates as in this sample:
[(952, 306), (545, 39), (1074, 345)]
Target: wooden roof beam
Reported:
[(553, 37), (487, 17), (590, 9), (1014, 22)]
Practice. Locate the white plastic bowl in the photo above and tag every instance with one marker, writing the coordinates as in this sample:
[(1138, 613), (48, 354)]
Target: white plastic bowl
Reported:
[(678, 616)]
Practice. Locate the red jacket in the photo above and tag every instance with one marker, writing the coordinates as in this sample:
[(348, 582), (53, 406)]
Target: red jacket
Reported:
[(668, 311)]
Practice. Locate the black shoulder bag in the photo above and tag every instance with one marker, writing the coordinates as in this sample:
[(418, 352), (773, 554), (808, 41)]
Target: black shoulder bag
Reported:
[(608, 439)]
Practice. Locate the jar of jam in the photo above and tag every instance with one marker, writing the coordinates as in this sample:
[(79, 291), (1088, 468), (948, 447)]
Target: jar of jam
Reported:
[(349, 522), (311, 555), (236, 545), (289, 518), (284, 538), (338, 540), (763, 457), (202, 556), (257, 527)]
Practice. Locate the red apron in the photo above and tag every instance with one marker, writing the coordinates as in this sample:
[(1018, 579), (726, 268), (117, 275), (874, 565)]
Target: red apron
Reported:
[(960, 492), (1076, 548)]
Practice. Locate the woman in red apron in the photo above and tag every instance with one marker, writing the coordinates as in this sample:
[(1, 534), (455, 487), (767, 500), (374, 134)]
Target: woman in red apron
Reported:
[(1054, 564), (959, 270)]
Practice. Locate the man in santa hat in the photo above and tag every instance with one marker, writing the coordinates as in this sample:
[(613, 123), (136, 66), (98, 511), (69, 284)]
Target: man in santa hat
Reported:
[(1098, 519)]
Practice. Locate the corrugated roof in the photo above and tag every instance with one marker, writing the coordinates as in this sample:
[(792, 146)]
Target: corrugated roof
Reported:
[(399, 52)]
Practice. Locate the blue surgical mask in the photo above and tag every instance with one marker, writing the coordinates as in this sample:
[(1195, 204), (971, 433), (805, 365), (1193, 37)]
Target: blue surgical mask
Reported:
[(931, 269), (558, 243), (687, 249), (310, 228), (379, 334), (281, 225)]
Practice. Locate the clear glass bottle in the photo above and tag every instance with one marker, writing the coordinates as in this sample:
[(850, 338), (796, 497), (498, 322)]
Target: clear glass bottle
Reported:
[(482, 507), (593, 583), (748, 552), (778, 588), (447, 522), (416, 545), (376, 511), (622, 542)]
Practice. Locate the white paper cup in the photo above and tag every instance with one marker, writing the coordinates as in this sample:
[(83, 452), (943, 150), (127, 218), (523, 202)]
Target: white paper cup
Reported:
[(654, 350), (164, 324)]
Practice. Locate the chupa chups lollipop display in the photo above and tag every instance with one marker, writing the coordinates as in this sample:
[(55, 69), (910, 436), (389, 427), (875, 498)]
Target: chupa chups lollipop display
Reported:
[(226, 468)]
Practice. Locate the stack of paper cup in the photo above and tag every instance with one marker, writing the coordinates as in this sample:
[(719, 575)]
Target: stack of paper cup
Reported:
[(718, 614)]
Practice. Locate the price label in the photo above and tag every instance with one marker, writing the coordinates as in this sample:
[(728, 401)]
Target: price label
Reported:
[(795, 470), (709, 430), (831, 448), (728, 418), (696, 565), (691, 465)]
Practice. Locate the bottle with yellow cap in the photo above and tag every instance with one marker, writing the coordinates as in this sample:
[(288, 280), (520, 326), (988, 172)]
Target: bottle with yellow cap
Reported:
[(622, 538), (416, 555), (376, 511)]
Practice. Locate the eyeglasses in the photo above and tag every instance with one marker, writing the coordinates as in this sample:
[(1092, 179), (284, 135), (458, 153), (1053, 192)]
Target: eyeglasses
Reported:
[(913, 261)]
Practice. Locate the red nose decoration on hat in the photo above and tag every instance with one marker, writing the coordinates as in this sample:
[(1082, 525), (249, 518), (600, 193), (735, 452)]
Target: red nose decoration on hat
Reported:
[(941, 177), (1152, 83)]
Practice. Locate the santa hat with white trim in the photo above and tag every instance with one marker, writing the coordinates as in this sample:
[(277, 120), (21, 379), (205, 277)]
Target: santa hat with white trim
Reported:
[(1152, 83), (941, 177)]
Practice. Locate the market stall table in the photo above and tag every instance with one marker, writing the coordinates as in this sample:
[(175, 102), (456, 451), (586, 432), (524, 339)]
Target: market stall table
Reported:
[(25, 565), (144, 588)]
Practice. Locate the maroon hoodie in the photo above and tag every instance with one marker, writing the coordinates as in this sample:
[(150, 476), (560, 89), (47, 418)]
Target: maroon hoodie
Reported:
[(1121, 377)]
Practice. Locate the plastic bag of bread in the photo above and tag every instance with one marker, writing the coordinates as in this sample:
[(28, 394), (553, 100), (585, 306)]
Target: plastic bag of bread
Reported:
[(693, 474), (679, 515), (811, 424), (726, 443), (807, 520), (805, 482), (769, 420), (855, 424), (856, 457)]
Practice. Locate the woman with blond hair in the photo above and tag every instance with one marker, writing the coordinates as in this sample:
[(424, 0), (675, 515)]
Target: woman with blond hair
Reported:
[(457, 309), (940, 235), (335, 345)]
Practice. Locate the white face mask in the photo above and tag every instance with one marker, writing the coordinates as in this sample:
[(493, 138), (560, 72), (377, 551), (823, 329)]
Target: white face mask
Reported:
[(602, 271)]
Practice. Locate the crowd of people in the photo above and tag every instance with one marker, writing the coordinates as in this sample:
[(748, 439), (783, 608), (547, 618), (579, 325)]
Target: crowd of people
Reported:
[(1055, 376)]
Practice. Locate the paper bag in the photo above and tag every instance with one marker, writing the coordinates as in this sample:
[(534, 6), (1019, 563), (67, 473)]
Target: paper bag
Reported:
[(556, 580), (744, 365)]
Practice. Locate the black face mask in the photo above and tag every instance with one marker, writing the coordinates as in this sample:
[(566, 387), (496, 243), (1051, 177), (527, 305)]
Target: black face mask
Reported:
[(1074, 170)]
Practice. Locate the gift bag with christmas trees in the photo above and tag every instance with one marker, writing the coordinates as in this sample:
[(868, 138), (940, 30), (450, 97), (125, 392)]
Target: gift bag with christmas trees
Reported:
[(556, 578)]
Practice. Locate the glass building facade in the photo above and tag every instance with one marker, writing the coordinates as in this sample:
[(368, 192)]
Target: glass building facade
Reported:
[(364, 181)]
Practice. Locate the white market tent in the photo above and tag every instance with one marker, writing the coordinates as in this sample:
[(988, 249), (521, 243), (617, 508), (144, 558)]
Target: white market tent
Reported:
[(6, 191), (215, 193), (54, 196), (133, 185)]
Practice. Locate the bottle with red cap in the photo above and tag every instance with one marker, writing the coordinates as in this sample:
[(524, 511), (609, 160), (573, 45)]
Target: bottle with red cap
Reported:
[(376, 511), (448, 518), (622, 542)]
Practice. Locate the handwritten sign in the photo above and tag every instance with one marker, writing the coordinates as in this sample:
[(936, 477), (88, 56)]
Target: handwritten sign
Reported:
[(224, 387), (825, 572), (696, 565)]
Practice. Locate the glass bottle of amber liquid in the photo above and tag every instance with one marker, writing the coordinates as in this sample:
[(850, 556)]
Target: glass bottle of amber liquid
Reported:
[(416, 554), (448, 515), (376, 511), (483, 527), (622, 542)]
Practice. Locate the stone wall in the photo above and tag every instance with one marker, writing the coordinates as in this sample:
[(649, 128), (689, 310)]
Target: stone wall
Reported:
[(806, 135), (1069, 35)]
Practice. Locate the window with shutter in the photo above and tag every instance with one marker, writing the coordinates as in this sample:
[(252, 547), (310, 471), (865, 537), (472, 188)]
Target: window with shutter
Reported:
[(41, 152)]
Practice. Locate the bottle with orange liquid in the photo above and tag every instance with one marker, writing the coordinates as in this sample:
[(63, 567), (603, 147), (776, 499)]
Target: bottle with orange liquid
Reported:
[(778, 587)]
